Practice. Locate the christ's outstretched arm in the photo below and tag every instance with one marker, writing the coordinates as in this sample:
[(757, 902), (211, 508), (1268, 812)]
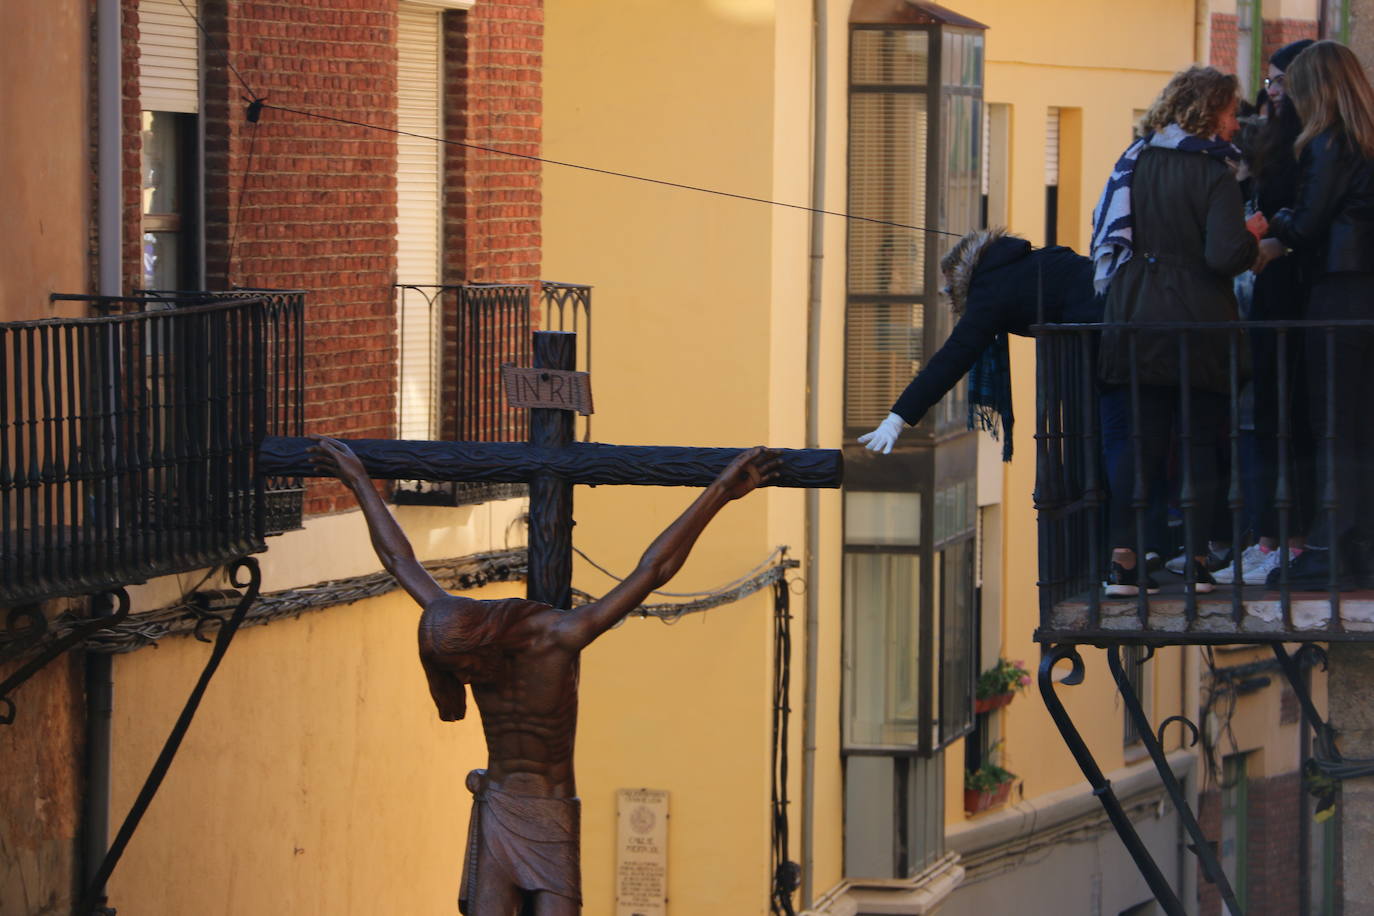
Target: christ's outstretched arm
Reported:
[(665, 556), (334, 459)]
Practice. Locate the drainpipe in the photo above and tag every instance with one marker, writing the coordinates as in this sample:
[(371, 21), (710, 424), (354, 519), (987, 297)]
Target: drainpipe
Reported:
[(95, 829), (813, 440)]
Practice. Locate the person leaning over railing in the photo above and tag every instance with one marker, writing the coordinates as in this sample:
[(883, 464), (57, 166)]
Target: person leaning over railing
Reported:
[(1332, 220), (997, 284), (1169, 233)]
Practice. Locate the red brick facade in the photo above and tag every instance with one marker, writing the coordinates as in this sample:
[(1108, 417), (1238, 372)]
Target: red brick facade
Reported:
[(1277, 33), (1223, 50), (1273, 854), (297, 202), (493, 59), (132, 245)]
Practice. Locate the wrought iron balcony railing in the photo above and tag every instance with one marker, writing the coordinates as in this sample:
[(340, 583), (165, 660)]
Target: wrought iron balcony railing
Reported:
[(1071, 493), (127, 441), (454, 340)]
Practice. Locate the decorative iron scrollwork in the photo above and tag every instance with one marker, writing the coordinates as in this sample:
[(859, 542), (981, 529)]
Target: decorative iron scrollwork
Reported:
[(118, 596), (1154, 746), (1102, 787), (1192, 727)]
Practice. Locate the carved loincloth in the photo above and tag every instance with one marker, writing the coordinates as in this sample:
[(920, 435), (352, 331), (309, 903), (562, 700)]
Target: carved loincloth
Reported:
[(531, 840)]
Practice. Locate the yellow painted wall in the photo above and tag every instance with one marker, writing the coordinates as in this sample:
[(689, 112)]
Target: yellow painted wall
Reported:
[(316, 777), (700, 339)]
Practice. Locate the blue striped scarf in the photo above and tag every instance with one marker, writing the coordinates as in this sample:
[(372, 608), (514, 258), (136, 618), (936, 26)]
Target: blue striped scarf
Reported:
[(1113, 224)]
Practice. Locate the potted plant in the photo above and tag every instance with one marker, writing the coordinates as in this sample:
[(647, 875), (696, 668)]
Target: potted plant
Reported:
[(998, 685), (986, 787)]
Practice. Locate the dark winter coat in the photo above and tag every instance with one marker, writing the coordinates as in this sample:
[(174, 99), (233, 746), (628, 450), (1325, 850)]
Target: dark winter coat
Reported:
[(1006, 282), (1189, 241), (1334, 213)]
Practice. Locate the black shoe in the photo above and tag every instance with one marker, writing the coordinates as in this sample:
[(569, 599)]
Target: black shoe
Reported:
[(1216, 560), (1123, 583), (1205, 584), (1153, 562), (1310, 571)]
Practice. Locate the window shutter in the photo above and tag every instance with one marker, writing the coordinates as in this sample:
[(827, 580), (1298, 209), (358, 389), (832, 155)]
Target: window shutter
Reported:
[(418, 188), (1052, 148), (169, 56)]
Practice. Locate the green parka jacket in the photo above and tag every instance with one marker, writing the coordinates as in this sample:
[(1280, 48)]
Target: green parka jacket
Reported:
[(1189, 241)]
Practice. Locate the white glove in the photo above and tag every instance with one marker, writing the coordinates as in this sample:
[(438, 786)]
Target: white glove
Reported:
[(885, 436)]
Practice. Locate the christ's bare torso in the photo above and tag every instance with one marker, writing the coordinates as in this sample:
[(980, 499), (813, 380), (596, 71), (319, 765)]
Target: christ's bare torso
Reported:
[(529, 716), (525, 685)]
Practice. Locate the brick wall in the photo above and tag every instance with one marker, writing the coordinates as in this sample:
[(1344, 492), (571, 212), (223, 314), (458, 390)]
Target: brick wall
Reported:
[(493, 58), (1223, 50), (303, 203), (1275, 865), (1279, 32), (132, 245), (493, 61)]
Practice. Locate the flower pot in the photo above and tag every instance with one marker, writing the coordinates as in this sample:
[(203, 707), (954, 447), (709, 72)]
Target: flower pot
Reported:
[(976, 800), (988, 704)]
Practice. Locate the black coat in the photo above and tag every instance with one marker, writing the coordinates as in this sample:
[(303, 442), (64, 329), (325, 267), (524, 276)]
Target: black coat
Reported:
[(1189, 241), (1333, 217), (1010, 281)]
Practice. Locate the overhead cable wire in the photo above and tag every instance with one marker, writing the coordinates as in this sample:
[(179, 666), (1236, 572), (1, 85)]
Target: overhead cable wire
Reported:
[(610, 172), (259, 102)]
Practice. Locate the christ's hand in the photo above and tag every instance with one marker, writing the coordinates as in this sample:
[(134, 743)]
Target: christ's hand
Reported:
[(334, 459), (750, 470)]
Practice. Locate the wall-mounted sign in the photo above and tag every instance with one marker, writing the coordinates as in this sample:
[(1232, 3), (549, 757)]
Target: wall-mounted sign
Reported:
[(558, 389), (641, 860)]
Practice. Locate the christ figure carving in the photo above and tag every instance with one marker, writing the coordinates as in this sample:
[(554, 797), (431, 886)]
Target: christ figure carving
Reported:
[(520, 658)]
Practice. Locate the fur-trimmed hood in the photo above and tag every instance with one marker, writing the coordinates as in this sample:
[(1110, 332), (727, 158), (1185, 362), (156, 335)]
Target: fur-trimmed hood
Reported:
[(960, 263)]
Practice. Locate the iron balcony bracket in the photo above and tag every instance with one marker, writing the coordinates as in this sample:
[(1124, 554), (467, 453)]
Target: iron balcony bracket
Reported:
[(1153, 744), (1102, 787), (1292, 666), (79, 633), (94, 900)]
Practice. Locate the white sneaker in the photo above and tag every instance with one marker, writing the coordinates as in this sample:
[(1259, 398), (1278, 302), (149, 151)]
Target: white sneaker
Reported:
[(1255, 565)]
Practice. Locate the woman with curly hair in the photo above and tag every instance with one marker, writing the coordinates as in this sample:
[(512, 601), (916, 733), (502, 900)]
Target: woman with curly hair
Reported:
[(1332, 225), (1169, 234)]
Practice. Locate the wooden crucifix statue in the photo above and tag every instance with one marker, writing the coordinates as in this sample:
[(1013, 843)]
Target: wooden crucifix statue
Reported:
[(521, 656)]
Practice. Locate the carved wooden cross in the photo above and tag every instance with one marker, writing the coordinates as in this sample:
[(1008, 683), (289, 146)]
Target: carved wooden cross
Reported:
[(551, 463)]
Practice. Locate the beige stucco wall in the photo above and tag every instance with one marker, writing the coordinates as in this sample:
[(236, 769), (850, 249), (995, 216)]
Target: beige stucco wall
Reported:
[(44, 66)]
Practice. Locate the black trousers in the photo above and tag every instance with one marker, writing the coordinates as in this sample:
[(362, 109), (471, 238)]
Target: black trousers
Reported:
[(1340, 383), (1160, 417)]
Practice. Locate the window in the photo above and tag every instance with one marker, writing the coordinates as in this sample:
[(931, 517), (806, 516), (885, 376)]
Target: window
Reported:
[(418, 190), (169, 93), (168, 214), (882, 600), (1235, 816), (916, 159)]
